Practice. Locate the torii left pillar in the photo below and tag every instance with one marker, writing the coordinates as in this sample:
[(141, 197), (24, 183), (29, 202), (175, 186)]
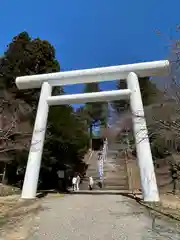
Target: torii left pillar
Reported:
[(36, 149)]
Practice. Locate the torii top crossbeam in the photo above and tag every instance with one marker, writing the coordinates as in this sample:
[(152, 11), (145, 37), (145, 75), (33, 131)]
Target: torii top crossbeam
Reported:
[(155, 68)]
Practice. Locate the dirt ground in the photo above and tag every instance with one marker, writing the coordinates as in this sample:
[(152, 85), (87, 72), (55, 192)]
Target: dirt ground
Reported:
[(169, 205), (13, 213), (6, 190)]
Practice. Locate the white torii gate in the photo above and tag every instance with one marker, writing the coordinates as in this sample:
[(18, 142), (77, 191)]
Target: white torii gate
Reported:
[(131, 72)]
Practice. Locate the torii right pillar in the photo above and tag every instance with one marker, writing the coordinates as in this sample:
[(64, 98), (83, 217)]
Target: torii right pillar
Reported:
[(143, 149)]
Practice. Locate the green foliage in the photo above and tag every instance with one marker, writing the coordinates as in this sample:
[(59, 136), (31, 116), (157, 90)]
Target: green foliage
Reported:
[(121, 105), (95, 112), (26, 56), (67, 136), (66, 139), (149, 93), (159, 147)]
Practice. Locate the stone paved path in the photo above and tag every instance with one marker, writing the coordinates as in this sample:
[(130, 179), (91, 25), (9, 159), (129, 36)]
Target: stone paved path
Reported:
[(99, 217)]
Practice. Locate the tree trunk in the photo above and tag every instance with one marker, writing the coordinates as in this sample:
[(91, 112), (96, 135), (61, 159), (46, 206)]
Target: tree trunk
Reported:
[(174, 186), (90, 133), (4, 179)]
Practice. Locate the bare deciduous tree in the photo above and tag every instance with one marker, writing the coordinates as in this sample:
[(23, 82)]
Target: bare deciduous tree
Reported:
[(13, 135), (163, 117)]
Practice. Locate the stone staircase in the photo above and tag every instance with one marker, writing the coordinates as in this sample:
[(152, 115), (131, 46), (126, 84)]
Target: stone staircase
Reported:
[(121, 173), (91, 171), (115, 172)]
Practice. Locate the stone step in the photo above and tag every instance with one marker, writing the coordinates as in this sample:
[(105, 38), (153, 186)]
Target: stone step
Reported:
[(115, 187), (108, 187), (107, 179), (104, 192), (110, 180), (118, 183), (115, 174)]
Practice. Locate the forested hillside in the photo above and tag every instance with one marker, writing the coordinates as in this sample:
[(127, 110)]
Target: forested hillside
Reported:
[(67, 138)]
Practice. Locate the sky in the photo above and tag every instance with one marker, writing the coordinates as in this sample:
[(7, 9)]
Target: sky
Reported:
[(94, 33)]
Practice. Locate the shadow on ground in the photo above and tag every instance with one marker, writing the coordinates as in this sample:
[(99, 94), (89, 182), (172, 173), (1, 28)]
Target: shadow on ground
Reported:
[(108, 192), (44, 193)]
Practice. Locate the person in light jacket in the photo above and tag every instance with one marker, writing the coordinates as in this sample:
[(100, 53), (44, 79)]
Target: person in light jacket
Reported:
[(91, 182), (78, 179), (74, 180)]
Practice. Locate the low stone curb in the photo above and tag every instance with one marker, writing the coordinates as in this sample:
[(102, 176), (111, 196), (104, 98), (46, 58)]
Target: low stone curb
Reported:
[(154, 208)]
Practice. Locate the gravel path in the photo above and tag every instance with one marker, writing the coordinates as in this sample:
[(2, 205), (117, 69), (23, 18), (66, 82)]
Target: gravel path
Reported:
[(99, 217)]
